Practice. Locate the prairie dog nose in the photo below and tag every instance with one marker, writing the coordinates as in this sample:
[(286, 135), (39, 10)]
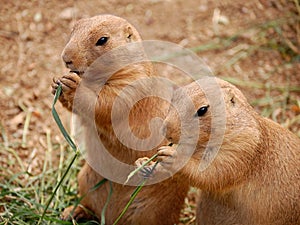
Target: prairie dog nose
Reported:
[(69, 63), (66, 58)]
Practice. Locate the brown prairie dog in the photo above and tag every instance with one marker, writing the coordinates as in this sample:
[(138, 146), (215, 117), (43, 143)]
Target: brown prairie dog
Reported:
[(90, 39), (255, 177)]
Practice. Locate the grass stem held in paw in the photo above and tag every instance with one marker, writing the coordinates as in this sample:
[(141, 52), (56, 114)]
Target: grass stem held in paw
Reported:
[(139, 168), (70, 142), (138, 188), (58, 121)]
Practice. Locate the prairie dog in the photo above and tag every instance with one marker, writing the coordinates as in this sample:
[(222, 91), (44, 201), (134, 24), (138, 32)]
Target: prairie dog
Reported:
[(254, 178), (90, 39)]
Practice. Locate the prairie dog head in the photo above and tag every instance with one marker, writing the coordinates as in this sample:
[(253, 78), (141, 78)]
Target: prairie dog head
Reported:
[(212, 101), (93, 37)]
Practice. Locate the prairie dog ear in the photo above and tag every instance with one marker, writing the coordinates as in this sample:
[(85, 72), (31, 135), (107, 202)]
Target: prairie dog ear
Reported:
[(129, 34), (230, 96), (234, 96)]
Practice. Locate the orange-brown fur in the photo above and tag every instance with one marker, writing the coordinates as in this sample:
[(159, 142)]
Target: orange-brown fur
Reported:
[(254, 179), (152, 205)]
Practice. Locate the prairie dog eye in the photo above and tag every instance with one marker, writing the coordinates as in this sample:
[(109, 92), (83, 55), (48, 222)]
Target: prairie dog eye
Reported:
[(202, 110), (101, 41)]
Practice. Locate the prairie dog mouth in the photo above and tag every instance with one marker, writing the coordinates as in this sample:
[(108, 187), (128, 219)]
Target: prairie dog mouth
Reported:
[(79, 73)]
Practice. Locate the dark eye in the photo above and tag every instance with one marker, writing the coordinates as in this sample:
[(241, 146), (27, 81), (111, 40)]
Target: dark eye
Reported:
[(101, 41), (201, 111)]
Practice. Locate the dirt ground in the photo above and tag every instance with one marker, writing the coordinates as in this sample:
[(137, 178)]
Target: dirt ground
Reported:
[(258, 53)]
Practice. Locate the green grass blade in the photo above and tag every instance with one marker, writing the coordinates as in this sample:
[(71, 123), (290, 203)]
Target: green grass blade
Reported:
[(70, 142), (58, 121), (136, 191), (106, 204), (99, 184), (134, 194), (56, 188), (139, 168)]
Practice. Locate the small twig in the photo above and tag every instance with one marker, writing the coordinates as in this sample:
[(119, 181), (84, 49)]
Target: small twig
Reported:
[(20, 43), (26, 126), (8, 34), (4, 135), (49, 146), (16, 155), (297, 6)]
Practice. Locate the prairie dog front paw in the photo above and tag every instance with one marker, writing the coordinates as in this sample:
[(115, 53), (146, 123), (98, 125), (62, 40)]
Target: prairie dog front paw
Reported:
[(148, 170), (69, 84)]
